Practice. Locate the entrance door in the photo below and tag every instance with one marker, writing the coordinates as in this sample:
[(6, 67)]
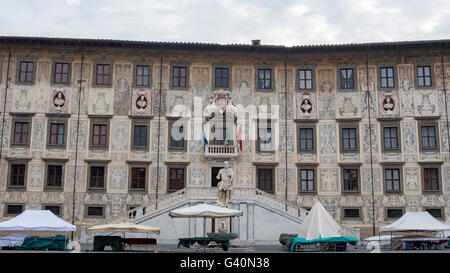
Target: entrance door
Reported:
[(214, 173)]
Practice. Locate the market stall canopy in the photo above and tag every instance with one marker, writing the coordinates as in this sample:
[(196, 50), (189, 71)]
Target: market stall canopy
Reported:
[(319, 224), (416, 221), (124, 227), (205, 210), (447, 233), (37, 220)]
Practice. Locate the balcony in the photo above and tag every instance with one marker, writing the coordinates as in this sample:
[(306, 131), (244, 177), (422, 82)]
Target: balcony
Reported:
[(221, 150)]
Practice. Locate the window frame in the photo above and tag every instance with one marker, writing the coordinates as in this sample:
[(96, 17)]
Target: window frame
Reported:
[(266, 167), (348, 125), (216, 66), (429, 165), (150, 74), (187, 74), (391, 124), (33, 72), (272, 134), (63, 170), (352, 218), (313, 78), (67, 61), (428, 123), (272, 77), (416, 78), (60, 206), (130, 177), (56, 120), (98, 62), (350, 166), (426, 208), (171, 121), (306, 166), (105, 177), (392, 165), (392, 65), (306, 125), (6, 214), (25, 182), (140, 122), (21, 119), (387, 218), (176, 165), (355, 77), (99, 121), (87, 206)]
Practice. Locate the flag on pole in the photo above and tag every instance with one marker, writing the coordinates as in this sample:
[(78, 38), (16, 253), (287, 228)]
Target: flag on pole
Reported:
[(205, 140), (239, 138)]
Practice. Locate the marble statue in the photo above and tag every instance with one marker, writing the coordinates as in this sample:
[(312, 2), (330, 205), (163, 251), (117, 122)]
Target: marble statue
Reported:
[(225, 186)]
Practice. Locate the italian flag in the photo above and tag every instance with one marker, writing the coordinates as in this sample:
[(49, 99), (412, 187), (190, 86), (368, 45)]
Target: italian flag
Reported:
[(239, 137)]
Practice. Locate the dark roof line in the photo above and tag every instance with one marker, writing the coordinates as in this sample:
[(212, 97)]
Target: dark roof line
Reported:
[(422, 44)]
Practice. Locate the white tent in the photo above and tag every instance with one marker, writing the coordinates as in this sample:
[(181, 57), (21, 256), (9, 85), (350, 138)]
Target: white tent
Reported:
[(38, 220), (447, 233), (416, 221), (205, 211), (319, 224)]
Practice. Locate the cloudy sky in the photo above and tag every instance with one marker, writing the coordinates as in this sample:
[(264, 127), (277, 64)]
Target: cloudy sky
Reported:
[(288, 22)]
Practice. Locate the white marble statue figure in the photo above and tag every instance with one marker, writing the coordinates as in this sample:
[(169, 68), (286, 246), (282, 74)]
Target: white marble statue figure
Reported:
[(225, 186)]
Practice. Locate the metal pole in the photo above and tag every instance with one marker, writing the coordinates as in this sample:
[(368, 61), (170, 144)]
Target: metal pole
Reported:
[(159, 130), (446, 105), (285, 130), (370, 141), (4, 103), (76, 142)]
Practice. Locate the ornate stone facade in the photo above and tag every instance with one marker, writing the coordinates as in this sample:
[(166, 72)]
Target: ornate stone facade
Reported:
[(325, 108)]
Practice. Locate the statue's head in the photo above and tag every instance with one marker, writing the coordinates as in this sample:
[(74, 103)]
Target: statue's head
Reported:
[(227, 164)]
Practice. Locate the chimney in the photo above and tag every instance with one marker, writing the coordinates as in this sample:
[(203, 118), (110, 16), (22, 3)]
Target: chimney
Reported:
[(256, 42)]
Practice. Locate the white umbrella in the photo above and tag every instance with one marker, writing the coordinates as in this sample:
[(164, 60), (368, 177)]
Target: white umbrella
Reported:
[(205, 211), (124, 227)]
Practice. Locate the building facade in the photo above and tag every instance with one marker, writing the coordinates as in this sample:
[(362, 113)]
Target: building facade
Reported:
[(89, 127)]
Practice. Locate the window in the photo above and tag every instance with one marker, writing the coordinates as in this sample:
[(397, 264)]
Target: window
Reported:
[(347, 78), (57, 131), (21, 132), (61, 73), (177, 139), (264, 78), (179, 76), (140, 136), (306, 139), (428, 137), (351, 213), (431, 179), (387, 77), (95, 211), (142, 75), (56, 210), (424, 76), (54, 176), (349, 139), (392, 179), (103, 74), (18, 175), (351, 180), (26, 72), (394, 213), (99, 135), (390, 137), (176, 178), (265, 180), (222, 77), (97, 177), (436, 213), (305, 79), (14, 209), (307, 180), (138, 178)]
